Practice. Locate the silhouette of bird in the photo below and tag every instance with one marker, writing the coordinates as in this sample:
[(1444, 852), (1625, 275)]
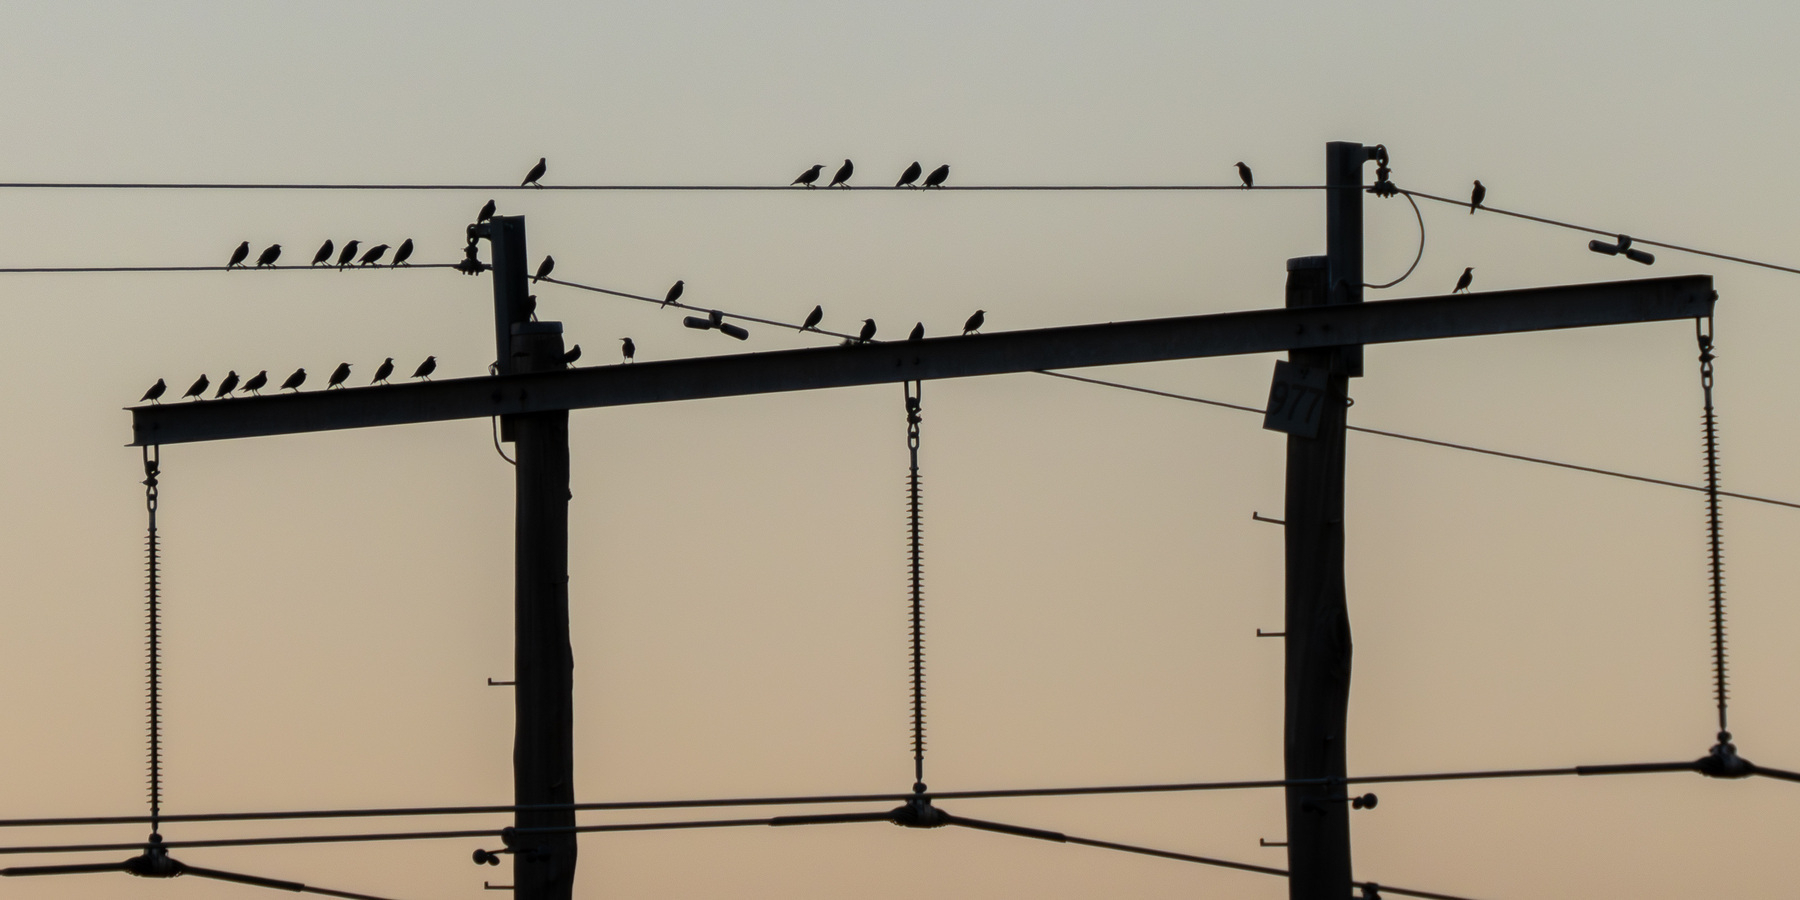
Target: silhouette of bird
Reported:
[(269, 256), (324, 254), (544, 269), (487, 212), (404, 253), (383, 371), (1476, 196), (239, 255), (938, 176), (348, 256), (918, 332), (294, 381), (338, 375), (531, 307), (673, 295), (198, 389), (426, 368), (257, 381), (373, 256), (1244, 173), (227, 385), (843, 174), (868, 330), (974, 323), (570, 357), (813, 318), (909, 176), (537, 172), (155, 391), (809, 176), (628, 348), (1468, 275)]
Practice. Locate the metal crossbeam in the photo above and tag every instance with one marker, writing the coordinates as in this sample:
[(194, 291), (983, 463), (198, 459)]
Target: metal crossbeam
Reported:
[(1116, 343)]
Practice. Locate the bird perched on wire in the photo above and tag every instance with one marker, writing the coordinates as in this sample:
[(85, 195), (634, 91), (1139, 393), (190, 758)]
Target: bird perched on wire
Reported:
[(536, 172), (628, 348), (673, 295), (383, 371), (868, 331), (155, 392), (256, 382), (348, 256), (544, 269), (404, 253), (239, 255), (571, 356), (324, 254), (909, 176), (1468, 275), (813, 318), (294, 381), (974, 324), (338, 375), (1476, 196), (843, 175), (918, 332), (809, 176), (269, 255), (373, 256), (198, 388), (487, 212), (1244, 173), (227, 384), (938, 176), (426, 368)]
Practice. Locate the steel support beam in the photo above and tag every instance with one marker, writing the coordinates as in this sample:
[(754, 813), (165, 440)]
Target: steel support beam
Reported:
[(1117, 343)]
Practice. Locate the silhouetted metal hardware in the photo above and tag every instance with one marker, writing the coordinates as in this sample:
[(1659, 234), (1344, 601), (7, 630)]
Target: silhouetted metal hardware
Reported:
[(1259, 517), (1623, 246), (1262, 633), (1268, 843), (496, 887), (493, 683)]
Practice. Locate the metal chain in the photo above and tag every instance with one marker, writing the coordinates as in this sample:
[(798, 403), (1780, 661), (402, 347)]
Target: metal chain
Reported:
[(152, 468), (916, 561), (1703, 334)]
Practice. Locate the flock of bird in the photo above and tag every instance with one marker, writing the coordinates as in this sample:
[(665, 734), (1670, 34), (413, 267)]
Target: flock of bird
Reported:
[(371, 257), (255, 383), (908, 178)]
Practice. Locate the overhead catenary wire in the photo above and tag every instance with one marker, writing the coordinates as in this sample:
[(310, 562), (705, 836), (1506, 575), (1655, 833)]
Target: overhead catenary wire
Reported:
[(494, 188), (64, 270)]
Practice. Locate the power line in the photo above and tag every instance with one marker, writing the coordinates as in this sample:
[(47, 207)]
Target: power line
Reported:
[(21, 270), (494, 188)]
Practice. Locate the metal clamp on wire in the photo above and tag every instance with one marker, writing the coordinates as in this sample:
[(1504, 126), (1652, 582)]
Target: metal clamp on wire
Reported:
[(470, 265), (1384, 186)]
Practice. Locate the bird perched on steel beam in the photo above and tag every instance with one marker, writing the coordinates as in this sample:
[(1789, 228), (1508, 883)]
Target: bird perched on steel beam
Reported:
[(198, 388), (1244, 173), (338, 375), (673, 295), (269, 255), (909, 176), (536, 172), (294, 381), (544, 269), (254, 385), (239, 255), (373, 256), (868, 331), (809, 176), (628, 348), (974, 324), (404, 253), (348, 256), (938, 176), (918, 332), (324, 254), (426, 368), (383, 371), (843, 175), (487, 212), (155, 392), (570, 357), (1476, 196), (227, 384), (1468, 275)]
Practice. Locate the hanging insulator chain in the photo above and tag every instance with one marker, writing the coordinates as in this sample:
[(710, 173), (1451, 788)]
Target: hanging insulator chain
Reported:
[(152, 468), (1703, 333), (915, 566)]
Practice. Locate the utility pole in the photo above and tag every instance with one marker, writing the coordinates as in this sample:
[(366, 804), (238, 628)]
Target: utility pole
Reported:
[(543, 660), (1318, 620)]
